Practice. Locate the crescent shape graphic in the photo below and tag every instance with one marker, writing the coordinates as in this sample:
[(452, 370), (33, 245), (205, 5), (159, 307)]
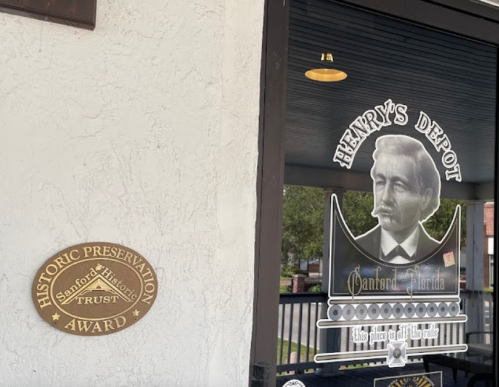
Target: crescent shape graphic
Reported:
[(338, 220), (355, 271)]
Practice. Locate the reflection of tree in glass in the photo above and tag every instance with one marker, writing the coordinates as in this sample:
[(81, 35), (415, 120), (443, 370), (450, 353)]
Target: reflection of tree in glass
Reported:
[(438, 224), (303, 219), (357, 208), (302, 223)]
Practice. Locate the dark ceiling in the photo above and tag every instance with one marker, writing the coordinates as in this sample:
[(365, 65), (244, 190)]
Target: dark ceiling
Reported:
[(450, 78)]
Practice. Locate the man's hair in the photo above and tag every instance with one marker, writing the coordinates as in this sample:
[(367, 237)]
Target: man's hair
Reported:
[(426, 171)]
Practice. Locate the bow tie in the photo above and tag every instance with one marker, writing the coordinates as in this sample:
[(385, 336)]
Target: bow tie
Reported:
[(399, 253)]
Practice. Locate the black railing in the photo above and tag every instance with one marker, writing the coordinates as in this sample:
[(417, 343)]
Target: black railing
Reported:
[(300, 338), (297, 331)]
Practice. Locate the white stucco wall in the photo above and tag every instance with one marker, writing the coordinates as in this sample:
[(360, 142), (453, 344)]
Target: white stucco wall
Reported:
[(143, 133)]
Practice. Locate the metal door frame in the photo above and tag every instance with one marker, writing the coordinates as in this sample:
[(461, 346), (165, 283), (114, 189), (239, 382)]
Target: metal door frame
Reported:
[(465, 18)]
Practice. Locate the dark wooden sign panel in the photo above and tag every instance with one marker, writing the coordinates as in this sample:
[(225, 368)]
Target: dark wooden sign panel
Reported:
[(76, 13)]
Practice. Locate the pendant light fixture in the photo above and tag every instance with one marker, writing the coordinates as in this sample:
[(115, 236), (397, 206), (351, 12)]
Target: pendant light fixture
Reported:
[(326, 74)]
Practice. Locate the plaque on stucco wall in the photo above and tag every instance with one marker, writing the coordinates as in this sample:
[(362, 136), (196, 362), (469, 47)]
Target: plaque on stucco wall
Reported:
[(94, 289)]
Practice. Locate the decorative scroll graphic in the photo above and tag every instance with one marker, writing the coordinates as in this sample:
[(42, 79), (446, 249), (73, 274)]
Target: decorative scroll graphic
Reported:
[(394, 285), (429, 379)]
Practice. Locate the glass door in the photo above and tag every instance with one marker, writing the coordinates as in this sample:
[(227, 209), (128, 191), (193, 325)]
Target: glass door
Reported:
[(395, 123)]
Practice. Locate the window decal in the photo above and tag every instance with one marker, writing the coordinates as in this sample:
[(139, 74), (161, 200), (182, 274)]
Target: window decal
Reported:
[(388, 114), (394, 285)]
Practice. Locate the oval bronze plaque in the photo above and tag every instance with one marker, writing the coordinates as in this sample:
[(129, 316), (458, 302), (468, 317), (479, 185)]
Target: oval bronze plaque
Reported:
[(94, 289)]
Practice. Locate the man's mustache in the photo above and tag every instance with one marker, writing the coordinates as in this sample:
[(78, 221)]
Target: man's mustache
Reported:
[(385, 209)]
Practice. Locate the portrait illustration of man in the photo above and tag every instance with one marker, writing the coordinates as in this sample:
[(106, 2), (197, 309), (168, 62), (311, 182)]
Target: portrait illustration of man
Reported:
[(406, 186)]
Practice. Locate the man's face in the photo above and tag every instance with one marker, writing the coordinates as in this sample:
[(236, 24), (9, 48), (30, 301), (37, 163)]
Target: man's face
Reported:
[(398, 203)]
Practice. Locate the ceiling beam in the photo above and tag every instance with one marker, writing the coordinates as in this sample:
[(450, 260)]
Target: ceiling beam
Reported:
[(450, 19), (352, 181)]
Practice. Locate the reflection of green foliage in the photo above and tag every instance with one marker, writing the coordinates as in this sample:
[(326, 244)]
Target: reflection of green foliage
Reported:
[(440, 221), (303, 220), (290, 271), (317, 288), (285, 289), (357, 208), (302, 223)]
